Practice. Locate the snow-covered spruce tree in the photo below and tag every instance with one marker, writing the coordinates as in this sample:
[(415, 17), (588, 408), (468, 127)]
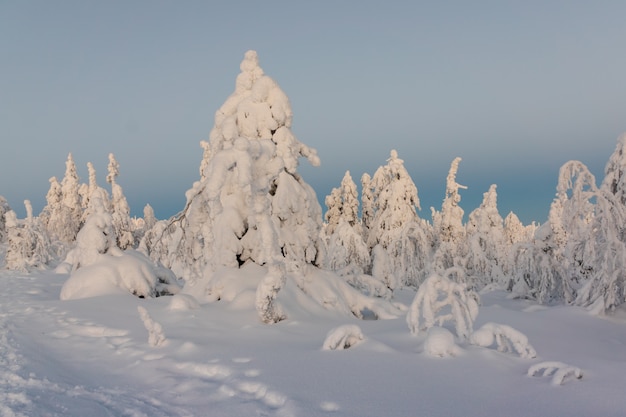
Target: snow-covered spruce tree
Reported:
[(486, 244), (251, 203), (347, 252), (62, 215), (71, 211), (29, 246), (396, 226), (560, 259), (120, 212), (603, 255), (449, 232)]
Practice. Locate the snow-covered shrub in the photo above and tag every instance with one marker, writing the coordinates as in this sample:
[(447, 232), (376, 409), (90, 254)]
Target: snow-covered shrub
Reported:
[(506, 339), (439, 300), (561, 372), (343, 337), (440, 343), (156, 337)]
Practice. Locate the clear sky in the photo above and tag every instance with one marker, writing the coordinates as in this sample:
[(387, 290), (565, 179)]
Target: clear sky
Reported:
[(515, 88)]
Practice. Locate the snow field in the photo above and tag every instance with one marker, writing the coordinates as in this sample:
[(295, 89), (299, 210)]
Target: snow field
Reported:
[(93, 357)]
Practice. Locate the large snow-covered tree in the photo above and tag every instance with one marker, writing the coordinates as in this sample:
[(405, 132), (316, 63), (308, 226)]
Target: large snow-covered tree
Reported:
[(250, 203), (395, 224)]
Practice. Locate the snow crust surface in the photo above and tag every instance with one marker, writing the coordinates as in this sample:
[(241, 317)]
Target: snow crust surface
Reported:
[(118, 355)]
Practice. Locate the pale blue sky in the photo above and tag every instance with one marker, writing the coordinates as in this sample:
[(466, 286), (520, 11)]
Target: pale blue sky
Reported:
[(514, 88)]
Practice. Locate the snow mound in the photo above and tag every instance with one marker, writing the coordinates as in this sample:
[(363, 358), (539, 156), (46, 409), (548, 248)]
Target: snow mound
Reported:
[(343, 337), (440, 343), (122, 273), (183, 302), (315, 292), (506, 338)]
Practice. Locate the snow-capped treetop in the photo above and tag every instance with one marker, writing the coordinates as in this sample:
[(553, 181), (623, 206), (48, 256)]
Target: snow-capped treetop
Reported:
[(350, 197), (114, 169), (259, 109), (70, 185), (486, 216)]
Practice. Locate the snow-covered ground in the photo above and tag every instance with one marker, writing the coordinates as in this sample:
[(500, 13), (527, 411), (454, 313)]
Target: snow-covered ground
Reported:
[(96, 357)]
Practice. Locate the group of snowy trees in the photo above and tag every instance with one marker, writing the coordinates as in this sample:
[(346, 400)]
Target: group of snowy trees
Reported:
[(578, 256), (250, 205), (44, 240)]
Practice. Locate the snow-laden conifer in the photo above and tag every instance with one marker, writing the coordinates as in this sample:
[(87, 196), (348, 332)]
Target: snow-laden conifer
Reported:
[(486, 244), (29, 246), (66, 218), (396, 225), (120, 212), (250, 203), (448, 230), (346, 251)]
